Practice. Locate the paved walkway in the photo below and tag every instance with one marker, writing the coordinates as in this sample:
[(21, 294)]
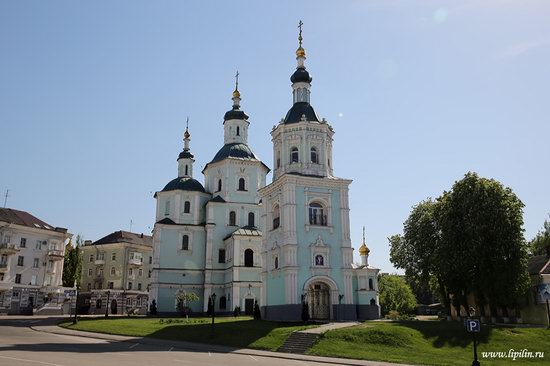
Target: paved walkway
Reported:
[(54, 329), (329, 326)]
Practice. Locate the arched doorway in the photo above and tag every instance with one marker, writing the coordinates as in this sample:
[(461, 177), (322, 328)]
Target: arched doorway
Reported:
[(318, 299), (113, 307)]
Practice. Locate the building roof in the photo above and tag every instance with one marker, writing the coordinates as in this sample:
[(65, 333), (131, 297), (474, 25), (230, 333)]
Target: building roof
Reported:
[(235, 150), (299, 109), (24, 218), (125, 237), (235, 113), (538, 264), (245, 231), (301, 75), (185, 154), (218, 198), (184, 184)]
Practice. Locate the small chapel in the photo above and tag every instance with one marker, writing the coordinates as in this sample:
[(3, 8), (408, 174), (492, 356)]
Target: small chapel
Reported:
[(237, 242)]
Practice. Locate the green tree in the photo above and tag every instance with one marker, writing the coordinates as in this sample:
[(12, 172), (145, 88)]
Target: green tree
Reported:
[(183, 301), (72, 264), (395, 294), (541, 242)]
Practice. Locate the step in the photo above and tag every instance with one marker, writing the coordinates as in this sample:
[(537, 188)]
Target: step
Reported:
[(299, 342)]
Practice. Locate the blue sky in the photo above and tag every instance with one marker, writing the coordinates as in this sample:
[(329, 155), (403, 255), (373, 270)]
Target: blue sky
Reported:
[(94, 97)]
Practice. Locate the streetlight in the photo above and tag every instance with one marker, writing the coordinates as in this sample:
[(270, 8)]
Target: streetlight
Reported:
[(213, 297), (472, 312), (107, 305)]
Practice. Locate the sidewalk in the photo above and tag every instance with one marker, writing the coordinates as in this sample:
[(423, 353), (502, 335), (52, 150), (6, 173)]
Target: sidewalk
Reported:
[(54, 329)]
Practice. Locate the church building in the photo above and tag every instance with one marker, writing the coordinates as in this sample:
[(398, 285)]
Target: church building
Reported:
[(235, 242)]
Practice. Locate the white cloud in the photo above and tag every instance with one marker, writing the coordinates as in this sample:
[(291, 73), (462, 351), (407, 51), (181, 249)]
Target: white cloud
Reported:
[(519, 49)]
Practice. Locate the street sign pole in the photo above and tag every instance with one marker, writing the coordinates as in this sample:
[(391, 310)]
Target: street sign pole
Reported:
[(473, 326), (476, 362)]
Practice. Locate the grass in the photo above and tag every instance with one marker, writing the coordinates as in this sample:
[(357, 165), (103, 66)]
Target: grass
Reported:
[(431, 343), (229, 331)]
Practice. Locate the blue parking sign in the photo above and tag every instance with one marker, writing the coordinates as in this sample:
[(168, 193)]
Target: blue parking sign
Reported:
[(473, 325)]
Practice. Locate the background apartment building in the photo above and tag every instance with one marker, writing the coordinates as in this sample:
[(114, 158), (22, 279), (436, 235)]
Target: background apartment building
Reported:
[(31, 262), (116, 272)]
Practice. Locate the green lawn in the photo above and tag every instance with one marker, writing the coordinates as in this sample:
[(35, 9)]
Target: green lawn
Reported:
[(229, 331), (431, 343)]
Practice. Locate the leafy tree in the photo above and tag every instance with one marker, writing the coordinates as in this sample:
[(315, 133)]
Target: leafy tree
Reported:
[(541, 242), (395, 294), (183, 301), (72, 264), (257, 312), (237, 311), (153, 307)]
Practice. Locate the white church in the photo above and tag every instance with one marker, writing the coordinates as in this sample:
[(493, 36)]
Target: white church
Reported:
[(236, 241)]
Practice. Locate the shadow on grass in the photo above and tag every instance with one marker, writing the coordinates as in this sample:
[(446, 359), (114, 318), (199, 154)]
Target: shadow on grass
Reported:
[(444, 333)]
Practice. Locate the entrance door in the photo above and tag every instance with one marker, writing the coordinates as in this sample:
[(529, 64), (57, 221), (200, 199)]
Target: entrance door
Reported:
[(249, 306), (113, 307), (319, 301)]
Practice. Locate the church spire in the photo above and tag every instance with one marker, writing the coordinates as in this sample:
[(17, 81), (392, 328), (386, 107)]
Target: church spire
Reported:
[(301, 80), (236, 93), (185, 158), (364, 251)]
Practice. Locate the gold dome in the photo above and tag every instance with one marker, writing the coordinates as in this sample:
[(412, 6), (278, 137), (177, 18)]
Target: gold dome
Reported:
[(300, 52), (236, 94), (363, 250)]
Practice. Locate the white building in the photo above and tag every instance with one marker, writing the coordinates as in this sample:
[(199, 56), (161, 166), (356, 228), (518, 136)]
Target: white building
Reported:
[(31, 261)]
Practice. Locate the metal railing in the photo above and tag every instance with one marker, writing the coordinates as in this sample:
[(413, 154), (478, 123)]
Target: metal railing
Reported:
[(319, 220)]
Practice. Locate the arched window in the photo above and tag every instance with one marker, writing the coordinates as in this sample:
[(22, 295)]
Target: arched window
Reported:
[(294, 156), (223, 302), (372, 301), (251, 219), (242, 186), (186, 169), (219, 185), (187, 207), (276, 264), (371, 284), (317, 214), (319, 260), (278, 154), (313, 155), (232, 218), (185, 242), (276, 217), (249, 258), (238, 131)]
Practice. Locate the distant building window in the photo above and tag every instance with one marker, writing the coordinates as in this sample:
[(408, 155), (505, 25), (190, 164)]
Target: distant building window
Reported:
[(313, 155), (238, 131), (242, 186), (223, 303), (129, 285), (251, 219), (221, 256), (130, 271), (18, 278), (149, 274), (139, 286), (100, 272), (111, 285), (7, 239), (113, 271), (150, 260), (36, 263), (167, 208), (294, 156), (187, 207), (33, 280), (219, 185), (91, 258), (20, 260), (276, 217), (319, 260), (249, 258), (232, 218), (317, 214), (113, 256), (90, 272), (371, 284), (23, 243), (140, 272), (276, 263), (38, 244), (89, 286), (185, 242)]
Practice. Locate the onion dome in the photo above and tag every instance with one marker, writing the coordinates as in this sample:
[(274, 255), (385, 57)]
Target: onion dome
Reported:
[(184, 184), (363, 250), (235, 112)]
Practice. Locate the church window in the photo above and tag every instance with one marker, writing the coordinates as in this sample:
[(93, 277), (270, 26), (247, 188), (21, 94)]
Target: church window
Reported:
[(219, 185), (319, 260), (186, 169), (313, 155), (167, 208), (221, 256), (317, 215), (232, 218), (223, 303), (238, 131), (372, 301), (249, 258), (371, 284), (276, 263), (187, 207), (185, 242), (251, 219), (242, 185), (276, 217), (294, 156), (278, 154)]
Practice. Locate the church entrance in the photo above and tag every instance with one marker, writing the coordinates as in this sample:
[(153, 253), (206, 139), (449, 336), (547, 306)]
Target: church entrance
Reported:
[(319, 301)]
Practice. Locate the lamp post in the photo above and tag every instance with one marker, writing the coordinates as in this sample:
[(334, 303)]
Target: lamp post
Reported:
[(472, 312), (107, 304), (213, 297)]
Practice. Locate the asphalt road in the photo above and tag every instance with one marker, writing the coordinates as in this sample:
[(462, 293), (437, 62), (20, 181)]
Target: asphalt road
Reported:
[(22, 346)]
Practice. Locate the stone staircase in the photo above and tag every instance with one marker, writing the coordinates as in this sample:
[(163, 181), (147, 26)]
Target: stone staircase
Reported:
[(299, 342)]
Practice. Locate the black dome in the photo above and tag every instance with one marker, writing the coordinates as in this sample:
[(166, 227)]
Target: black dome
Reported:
[(184, 184), (295, 113), (235, 150), (185, 155), (235, 113), (301, 75)]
